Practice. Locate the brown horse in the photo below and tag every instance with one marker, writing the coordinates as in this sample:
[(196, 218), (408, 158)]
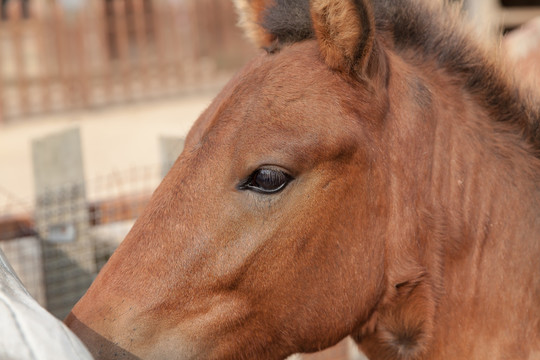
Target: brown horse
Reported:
[(374, 173)]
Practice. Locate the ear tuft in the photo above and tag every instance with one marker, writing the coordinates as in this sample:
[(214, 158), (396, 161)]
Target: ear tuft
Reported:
[(345, 30), (251, 13)]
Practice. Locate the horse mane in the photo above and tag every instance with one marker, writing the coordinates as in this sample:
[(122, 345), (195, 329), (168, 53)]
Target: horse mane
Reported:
[(437, 31)]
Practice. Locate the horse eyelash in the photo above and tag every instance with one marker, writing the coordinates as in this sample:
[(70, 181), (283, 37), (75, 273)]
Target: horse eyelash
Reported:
[(244, 184)]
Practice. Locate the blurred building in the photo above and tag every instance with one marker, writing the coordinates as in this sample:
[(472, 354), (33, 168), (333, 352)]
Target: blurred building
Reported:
[(68, 54)]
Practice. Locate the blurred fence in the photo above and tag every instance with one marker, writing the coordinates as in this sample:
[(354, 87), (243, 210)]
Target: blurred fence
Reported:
[(103, 52), (58, 245), (112, 51), (58, 249)]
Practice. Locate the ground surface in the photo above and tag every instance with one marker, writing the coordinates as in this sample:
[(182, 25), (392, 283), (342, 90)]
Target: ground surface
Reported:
[(113, 139)]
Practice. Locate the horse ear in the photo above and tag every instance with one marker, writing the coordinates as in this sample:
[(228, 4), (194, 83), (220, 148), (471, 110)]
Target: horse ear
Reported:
[(251, 13), (345, 31)]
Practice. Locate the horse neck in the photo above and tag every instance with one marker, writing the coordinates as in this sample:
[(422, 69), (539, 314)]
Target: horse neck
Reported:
[(484, 204), (468, 177), (466, 213), (482, 192)]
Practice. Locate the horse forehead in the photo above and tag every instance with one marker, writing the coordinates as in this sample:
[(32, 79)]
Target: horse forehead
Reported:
[(295, 70), (292, 89), (287, 94)]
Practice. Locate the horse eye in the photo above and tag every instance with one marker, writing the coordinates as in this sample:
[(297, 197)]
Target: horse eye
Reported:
[(266, 181)]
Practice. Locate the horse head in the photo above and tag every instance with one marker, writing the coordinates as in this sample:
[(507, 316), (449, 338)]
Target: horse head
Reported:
[(323, 193)]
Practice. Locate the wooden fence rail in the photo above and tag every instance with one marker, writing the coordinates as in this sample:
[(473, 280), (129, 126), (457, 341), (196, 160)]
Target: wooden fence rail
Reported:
[(113, 51)]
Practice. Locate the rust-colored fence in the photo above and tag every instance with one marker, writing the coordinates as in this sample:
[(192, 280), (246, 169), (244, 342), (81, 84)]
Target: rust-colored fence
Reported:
[(112, 51)]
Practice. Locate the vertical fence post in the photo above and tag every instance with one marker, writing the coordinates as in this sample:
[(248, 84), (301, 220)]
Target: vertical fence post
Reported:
[(170, 148), (62, 219), (82, 63), (195, 44), (103, 21), (62, 56), (42, 30), (165, 45), (122, 42), (138, 30), (19, 40)]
